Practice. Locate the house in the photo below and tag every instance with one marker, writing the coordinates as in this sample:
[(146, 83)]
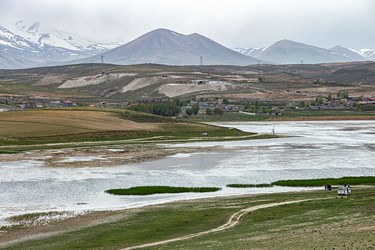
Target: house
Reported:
[(39, 105), (67, 103), (54, 104), (4, 108), (344, 190)]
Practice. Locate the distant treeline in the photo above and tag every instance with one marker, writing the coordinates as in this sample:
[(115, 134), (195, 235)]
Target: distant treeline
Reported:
[(164, 108)]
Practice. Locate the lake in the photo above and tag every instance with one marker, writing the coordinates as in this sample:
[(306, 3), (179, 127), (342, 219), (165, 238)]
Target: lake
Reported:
[(306, 150)]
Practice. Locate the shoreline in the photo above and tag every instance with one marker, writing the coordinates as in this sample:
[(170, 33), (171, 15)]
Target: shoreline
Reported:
[(20, 234), (323, 118), (91, 220)]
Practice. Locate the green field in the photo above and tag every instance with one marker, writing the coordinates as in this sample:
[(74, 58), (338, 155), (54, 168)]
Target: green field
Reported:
[(323, 222), (148, 190)]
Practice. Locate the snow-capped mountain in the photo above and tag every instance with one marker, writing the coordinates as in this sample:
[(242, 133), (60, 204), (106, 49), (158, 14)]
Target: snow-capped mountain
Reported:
[(290, 52), (48, 36), (368, 53), (253, 52), (45, 45), (286, 51)]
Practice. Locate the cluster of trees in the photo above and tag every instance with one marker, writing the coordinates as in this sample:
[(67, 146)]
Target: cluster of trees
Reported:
[(193, 110), (320, 100), (256, 107), (163, 109), (216, 111)]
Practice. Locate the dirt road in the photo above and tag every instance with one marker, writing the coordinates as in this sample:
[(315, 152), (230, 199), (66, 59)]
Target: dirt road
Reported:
[(233, 220)]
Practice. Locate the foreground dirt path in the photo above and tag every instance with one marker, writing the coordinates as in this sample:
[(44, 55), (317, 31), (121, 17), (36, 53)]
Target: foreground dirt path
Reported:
[(233, 220)]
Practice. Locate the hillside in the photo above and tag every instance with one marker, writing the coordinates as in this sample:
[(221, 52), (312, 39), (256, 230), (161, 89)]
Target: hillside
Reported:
[(92, 83)]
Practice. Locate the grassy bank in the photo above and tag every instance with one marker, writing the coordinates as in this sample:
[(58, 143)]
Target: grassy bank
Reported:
[(349, 222), (358, 180), (365, 180), (148, 190)]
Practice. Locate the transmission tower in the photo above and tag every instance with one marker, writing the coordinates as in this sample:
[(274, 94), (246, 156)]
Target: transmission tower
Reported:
[(102, 59)]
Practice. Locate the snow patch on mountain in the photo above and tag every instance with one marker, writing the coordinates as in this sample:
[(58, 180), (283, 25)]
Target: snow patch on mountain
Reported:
[(48, 36), (368, 53), (253, 52)]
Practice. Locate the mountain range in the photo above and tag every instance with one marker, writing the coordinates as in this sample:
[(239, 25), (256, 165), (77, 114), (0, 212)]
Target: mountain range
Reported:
[(291, 52), (32, 44)]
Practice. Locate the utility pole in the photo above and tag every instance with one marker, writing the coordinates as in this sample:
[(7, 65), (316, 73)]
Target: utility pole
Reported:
[(201, 61), (102, 59)]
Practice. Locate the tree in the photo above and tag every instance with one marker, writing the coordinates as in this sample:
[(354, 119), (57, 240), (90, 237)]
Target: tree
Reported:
[(302, 104), (189, 111), (266, 109), (256, 105), (176, 102), (195, 108), (208, 111), (247, 106), (319, 100), (218, 111), (225, 101), (329, 97)]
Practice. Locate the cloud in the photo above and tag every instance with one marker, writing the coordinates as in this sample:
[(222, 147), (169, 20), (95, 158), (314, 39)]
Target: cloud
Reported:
[(232, 23)]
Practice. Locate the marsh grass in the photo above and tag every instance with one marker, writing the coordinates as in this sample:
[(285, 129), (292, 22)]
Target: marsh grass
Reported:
[(148, 190), (262, 185), (332, 181)]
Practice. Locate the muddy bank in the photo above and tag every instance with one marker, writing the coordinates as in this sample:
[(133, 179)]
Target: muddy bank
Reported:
[(96, 156)]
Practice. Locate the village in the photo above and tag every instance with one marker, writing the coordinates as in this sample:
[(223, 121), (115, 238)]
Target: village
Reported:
[(207, 106)]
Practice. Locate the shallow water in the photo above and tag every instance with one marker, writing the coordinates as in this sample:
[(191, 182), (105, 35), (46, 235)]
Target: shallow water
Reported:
[(311, 150)]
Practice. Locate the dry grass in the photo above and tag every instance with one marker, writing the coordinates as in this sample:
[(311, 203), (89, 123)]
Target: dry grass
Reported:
[(59, 122)]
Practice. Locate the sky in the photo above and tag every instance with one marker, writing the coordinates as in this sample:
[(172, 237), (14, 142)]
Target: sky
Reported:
[(233, 23)]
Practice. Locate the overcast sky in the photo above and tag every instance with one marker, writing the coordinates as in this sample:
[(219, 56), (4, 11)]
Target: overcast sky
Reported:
[(233, 23)]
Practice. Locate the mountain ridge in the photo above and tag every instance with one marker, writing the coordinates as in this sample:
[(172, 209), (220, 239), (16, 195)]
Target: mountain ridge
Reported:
[(290, 53)]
